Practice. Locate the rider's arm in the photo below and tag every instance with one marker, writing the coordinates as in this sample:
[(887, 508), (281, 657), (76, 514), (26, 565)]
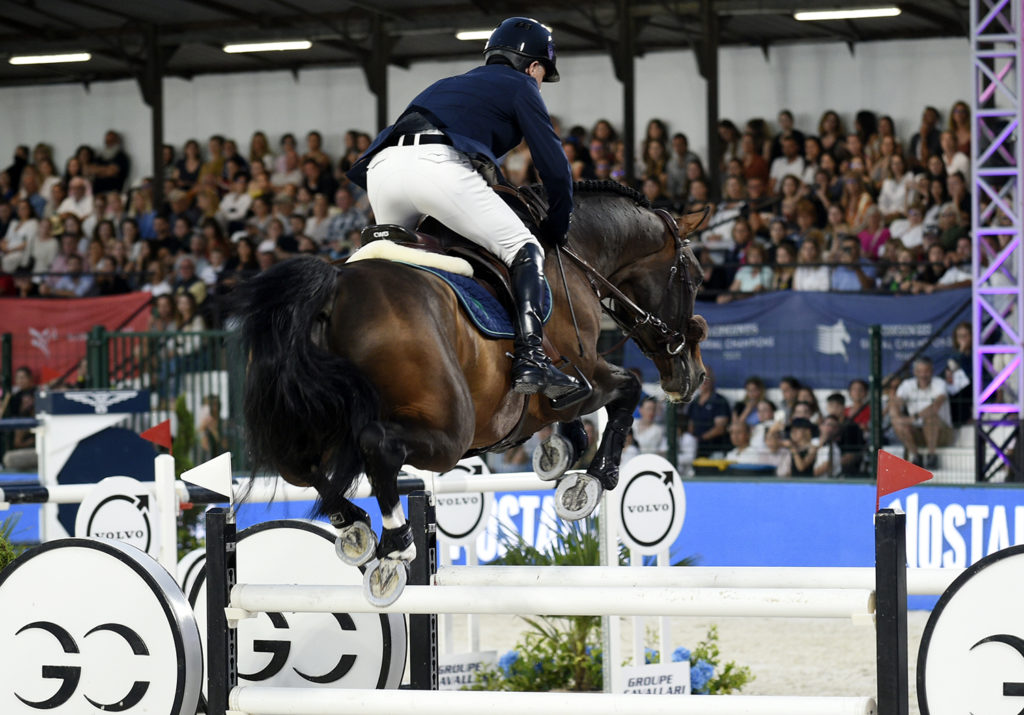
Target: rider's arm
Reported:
[(548, 157)]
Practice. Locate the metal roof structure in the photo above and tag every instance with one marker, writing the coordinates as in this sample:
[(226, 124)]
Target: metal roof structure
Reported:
[(191, 33)]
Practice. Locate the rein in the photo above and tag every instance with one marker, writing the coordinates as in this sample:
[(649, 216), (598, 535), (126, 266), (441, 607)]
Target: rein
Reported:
[(651, 333)]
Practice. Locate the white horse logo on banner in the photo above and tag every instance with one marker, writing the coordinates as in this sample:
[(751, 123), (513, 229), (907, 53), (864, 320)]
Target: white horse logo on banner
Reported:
[(41, 339), (832, 339)]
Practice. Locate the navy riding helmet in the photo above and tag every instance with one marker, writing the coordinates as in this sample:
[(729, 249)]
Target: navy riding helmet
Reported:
[(523, 41)]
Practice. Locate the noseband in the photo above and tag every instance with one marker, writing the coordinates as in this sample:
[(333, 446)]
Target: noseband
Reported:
[(654, 337)]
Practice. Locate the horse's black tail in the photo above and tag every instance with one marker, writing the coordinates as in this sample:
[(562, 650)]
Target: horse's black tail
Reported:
[(304, 406)]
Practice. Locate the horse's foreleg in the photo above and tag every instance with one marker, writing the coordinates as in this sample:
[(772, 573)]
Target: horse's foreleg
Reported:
[(384, 452), (356, 543), (626, 390)]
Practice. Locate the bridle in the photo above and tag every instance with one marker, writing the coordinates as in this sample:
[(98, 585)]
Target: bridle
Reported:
[(654, 337)]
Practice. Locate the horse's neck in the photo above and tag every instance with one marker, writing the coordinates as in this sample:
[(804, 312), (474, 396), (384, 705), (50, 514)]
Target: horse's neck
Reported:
[(620, 243)]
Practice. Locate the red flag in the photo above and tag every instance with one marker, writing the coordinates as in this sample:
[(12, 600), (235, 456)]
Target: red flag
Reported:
[(895, 474), (161, 435)]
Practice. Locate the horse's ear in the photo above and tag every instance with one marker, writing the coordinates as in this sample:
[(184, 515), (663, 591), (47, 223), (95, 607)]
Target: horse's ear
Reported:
[(691, 222)]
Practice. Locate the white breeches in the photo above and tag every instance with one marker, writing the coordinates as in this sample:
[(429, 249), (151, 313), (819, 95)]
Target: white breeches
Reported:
[(404, 183)]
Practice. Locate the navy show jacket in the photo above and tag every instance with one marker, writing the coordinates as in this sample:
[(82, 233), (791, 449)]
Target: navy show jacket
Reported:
[(486, 112)]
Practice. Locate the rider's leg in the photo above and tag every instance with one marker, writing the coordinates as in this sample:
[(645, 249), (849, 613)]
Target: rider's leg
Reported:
[(447, 187)]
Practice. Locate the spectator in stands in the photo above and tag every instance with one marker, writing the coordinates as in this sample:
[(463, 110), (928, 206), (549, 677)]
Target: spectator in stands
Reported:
[(920, 414), (346, 217), (803, 453), (873, 145), (21, 231), (7, 214), (715, 279), (957, 372), (849, 437), (709, 413), (828, 456), (785, 265), (951, 225), (786, 127), (728, 141), (896, 191), (926, 142), (900, 275), (187, 281), (768, 420), (853, 272), (753, 276), (42, 250), (186, 170), (752, 161), (811, 151), (649, 433), (830, 132), (75, 284), (266, 254), (855, 201), (960, 127), (291, 172), (22, 455), (94, 252), (315, 179), (956, 184), (316, 225), (789, 164), (874, 236), (746, 410), (742, 451), (109, 171), (259, 151), (810, 275), (953, 159), (108, 281), (676, 167), (214, 164), (314, 151)]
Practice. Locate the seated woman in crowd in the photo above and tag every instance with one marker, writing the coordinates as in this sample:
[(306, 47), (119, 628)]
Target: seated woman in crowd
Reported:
[(785, 265), (752, 277), (810, 275), (897, 190), (856, 201), (875, 234)]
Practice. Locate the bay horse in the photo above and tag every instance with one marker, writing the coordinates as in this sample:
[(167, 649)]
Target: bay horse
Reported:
[(372, 364)]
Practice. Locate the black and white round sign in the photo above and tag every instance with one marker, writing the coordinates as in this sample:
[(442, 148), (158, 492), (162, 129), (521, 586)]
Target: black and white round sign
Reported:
[(971, 658), (326, 650), (90, 626), (120, 509), (462, 517), (652, 504)]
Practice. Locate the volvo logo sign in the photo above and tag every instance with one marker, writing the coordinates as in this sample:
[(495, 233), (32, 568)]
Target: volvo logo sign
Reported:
[(652, 504), (118, 508), (95, 626), (463, 517)]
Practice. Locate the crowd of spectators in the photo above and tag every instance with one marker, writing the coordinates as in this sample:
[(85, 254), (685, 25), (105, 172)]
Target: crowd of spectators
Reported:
[(825, 208)]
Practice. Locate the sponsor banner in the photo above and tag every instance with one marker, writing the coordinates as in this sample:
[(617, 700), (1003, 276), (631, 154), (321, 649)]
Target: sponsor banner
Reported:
[(458, 670), (657, 679), (50, 334), (820, 337)]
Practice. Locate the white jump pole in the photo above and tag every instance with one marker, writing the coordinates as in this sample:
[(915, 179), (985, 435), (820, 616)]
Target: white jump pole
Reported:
[(920, 582), (254, 700), (566, 601)]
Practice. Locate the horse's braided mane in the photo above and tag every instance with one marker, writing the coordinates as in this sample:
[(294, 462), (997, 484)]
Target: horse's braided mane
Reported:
[(594, 186)]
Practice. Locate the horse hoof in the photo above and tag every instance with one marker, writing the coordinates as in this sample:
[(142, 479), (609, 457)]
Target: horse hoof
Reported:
[(356, 543), (552, 457), (577, 496), (384, 581)]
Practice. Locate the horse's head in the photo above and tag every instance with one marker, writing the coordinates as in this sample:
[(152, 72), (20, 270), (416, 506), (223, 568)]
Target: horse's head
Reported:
[(664, 285)]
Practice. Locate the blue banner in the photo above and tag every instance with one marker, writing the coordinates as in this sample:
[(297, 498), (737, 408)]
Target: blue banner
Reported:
[(821, 338)]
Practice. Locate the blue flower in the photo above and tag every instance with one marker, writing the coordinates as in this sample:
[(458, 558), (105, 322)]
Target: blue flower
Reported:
[(507, 661), (651, 656), (594, 653), (701, 673), (680, 655)]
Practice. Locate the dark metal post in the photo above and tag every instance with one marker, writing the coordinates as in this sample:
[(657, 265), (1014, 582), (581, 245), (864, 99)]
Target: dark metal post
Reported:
[(707, 53), (6, 363), (375, 66), (221, 640), (153, 94), (672, 454), (891, 612), (626, 71), (423, 674), (875, 394), (97, 363)]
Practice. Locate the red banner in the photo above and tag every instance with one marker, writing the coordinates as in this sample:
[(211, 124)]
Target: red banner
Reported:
[(49, 335)]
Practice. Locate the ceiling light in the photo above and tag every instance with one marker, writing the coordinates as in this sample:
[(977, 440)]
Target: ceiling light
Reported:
[(50, 59), (858, 14), (474, 34), (269, 46)]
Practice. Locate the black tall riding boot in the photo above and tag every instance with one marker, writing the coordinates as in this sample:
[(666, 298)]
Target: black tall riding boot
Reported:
[(532, 371)]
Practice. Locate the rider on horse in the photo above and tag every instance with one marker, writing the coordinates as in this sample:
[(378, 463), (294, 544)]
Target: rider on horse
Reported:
[(434, 160)]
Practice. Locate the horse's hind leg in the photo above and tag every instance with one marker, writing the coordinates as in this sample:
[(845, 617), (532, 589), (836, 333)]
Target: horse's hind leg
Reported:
[(384, 451), (560, 451), (356, 543)]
